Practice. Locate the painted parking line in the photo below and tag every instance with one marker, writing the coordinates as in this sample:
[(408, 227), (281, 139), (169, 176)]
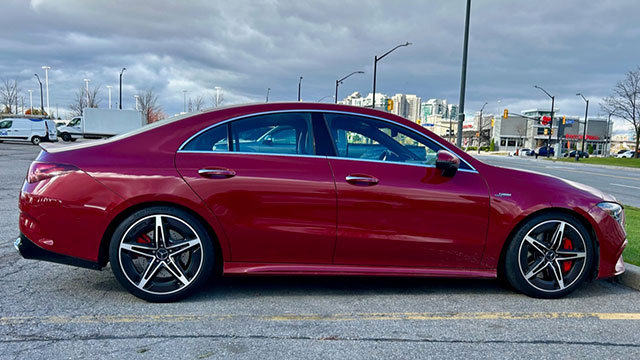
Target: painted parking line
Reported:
[(627, 186), (114, 319)]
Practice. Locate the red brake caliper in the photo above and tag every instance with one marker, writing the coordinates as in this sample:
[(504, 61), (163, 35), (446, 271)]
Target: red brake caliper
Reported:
[(567, 245), (143, 239)]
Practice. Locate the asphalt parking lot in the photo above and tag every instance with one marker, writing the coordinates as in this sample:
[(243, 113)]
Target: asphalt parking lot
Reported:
[(56, 311)]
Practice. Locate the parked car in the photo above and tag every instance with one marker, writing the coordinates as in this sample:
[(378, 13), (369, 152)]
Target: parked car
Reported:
[(26, 129), (626, 154), (348, 191), (520, 152), (581, 154), (542, 151)]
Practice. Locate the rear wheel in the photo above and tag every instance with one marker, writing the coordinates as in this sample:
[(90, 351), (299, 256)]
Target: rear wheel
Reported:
[(65, 137), (549, 256), (36, 140), (161, 254)]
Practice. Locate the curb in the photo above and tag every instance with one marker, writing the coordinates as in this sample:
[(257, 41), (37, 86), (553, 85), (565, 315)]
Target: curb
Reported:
[(630, 277)]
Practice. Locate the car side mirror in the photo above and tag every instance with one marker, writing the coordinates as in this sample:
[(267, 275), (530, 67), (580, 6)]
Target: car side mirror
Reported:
[(447, 162), (268, 140)]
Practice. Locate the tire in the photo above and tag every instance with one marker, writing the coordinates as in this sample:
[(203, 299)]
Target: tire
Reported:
[(549, 256), (162, 268), (36, 140), (65, 137)]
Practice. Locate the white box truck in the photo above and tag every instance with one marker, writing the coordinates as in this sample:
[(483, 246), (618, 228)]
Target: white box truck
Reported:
[(101, 123)]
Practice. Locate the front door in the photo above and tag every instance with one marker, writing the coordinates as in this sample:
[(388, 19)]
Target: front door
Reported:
[(394, 207), (273, 197)]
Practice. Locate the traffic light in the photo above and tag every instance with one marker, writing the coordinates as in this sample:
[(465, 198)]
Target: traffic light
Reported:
[(564, 120), (546, 131), (551, 131), (389, 104), (493, 122), (505, 114)]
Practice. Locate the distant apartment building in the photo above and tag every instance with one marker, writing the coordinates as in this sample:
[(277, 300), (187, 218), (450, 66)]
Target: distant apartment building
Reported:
[(356, 99), (440, 117), (407, 106)]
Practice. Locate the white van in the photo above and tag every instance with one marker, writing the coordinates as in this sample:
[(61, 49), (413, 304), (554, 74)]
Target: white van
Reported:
[(34, 130)]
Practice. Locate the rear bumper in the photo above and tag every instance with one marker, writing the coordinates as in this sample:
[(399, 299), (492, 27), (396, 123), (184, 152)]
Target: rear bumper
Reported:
[(29, 250)]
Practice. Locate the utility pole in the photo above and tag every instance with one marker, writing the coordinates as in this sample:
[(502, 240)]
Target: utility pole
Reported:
[(463, 77), (584, 130)]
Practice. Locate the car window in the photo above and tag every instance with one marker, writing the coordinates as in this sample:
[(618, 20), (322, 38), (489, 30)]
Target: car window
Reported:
[(214, 139), (74, 122), (371, 139), (5, 124), (281, 133)]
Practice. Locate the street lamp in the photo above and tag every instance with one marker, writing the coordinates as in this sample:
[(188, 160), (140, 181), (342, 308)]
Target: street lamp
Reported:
[(217, 95), (41, 100), (184, 106), (121, 72), (87, 83), (463, 74), (339, 82), (553, 99), (109, 88), (607, 137), (299, 85), (480, 125), (375, 68), (136, 98), (46, 82), (268, 89), (584, 130), (31, 100)]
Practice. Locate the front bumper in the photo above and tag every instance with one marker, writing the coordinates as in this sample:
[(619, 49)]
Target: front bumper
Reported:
[(29, 250)]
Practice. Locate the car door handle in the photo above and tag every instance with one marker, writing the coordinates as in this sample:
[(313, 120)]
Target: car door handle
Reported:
[(361, 180), (219, 173)]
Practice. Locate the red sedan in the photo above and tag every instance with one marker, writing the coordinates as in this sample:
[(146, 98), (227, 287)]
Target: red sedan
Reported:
[(308, 189)]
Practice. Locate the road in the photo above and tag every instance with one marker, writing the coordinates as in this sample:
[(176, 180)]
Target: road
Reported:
[(623, 183), (50, 311)]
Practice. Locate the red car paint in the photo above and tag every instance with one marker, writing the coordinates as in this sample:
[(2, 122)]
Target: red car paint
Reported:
[(298, 215)]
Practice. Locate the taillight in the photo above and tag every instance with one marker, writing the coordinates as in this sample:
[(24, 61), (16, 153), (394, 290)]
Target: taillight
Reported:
[(39, 171)]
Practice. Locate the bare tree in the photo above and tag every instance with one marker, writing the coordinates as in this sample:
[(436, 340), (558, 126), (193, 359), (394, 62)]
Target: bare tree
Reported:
[(623, 103), (151, 111), (198, 103), (80, 100), (9, 96)]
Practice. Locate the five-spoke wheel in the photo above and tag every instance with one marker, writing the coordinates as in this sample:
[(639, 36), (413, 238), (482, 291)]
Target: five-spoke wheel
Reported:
[(549, 256), (161, 253)]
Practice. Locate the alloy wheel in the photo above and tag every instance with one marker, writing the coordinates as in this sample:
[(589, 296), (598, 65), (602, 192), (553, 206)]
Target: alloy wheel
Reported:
[(552, 256), (160, 254)]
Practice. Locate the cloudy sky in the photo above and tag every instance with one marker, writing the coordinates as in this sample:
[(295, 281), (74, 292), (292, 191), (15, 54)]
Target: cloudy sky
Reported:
[(245, 47)]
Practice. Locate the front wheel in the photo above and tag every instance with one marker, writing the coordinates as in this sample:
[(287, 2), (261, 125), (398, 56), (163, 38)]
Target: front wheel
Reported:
[(161, 254), (65, 137), (549, 256)]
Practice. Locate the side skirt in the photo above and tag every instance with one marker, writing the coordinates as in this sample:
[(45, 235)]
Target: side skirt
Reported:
[(236, 268)]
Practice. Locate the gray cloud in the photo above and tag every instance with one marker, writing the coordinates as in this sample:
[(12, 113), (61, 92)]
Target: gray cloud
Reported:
[(246, 46)]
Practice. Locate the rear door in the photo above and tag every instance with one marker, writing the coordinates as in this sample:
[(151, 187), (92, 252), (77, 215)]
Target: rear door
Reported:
[(274, 198)]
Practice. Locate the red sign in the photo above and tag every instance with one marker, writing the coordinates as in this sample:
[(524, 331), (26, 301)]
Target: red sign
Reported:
[(545, 120), (575, 136)]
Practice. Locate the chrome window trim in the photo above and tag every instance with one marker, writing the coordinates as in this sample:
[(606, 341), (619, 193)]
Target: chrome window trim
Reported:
[(472, 169)]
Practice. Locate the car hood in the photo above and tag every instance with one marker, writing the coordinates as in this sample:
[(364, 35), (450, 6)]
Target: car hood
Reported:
[(543, 187)]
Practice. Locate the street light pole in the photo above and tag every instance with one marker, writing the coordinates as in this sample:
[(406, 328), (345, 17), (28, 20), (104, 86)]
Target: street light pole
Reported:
[(480, 125), (299, 86), (46, 82), (584, 129), (268, 89), (121, 72), (338, 82), (553, 99), (463, 76), (31, 101), (375, 70), (218, 95), (136, 98), (109, 88), (41, 100), (87, 83), (184, 106), (607, 138)]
